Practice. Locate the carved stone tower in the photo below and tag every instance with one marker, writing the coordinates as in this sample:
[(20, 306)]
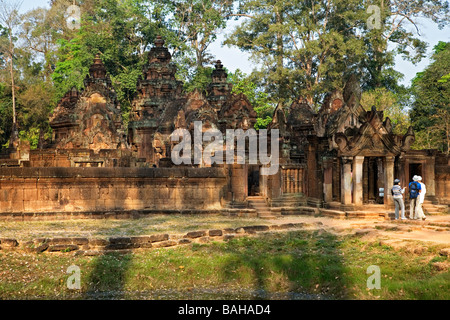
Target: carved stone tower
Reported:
[(155, 87), (219, 89)]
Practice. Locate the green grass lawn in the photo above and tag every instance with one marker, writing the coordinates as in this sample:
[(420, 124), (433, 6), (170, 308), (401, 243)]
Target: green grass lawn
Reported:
[(297, 264)]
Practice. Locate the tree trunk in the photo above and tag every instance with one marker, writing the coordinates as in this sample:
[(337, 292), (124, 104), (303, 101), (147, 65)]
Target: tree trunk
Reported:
[(280, 53), (13, 88)]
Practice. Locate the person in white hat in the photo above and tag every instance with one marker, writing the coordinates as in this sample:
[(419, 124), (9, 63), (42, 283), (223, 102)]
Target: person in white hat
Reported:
[(414, 192), (423, 190)]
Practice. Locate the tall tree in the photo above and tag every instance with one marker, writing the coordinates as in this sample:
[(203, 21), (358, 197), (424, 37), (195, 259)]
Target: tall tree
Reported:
[(298, 44), (41, 30), (9, 18), (392, 28), (309, 47), (197, 23)]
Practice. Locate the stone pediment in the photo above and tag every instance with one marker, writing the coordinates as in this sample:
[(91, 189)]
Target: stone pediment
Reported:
[(62, 115), (373, 138), (300, 113), (198, 108), (237, 113), (279, 121), (169, 111)]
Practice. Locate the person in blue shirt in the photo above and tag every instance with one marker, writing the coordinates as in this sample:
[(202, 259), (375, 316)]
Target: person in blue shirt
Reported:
[(414, 196)]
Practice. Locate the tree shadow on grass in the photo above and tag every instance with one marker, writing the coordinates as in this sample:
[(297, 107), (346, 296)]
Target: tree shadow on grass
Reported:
[(293, 265), (108, 276)]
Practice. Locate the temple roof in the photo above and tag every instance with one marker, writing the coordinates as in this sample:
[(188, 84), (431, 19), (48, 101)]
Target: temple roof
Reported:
[(373, 138), (89, 119)]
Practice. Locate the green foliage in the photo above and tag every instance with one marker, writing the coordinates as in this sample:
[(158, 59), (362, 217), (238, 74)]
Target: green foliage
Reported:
[(307, 48), (72, 67), (5, 114), (430, 113), (297, 45), (444, 79), (242, 83), (393, 104), (199, 80)]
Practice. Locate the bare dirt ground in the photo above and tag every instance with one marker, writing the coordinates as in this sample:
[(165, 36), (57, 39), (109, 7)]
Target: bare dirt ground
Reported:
[(435, 229)]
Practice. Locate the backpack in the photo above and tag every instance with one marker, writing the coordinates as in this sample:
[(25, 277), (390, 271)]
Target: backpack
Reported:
[(413, 190)]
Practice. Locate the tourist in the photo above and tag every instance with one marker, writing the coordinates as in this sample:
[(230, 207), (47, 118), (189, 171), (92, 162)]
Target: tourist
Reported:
[(423, 190), (397, 194), (414, 191)]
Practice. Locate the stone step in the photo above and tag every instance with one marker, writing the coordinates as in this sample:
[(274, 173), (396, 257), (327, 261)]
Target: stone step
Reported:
[(260, 205), (333, 213), (431, 206), (288, 203), (290, 200), (236, 205), (373, 207), (298, 210), (257, 201), (285, 196), (365, 214), (434, 213)]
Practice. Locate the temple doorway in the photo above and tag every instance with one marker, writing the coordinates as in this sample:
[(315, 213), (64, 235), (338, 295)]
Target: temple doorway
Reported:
[(415, 169), (373, 180), (253, 180)]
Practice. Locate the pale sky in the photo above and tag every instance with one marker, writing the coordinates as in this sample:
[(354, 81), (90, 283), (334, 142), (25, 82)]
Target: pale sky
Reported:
[(233, 58)]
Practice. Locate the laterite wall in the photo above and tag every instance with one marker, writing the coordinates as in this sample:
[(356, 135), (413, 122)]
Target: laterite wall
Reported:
[(32, 190)]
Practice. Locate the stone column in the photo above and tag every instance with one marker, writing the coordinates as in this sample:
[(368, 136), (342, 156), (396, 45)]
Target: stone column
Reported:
[(239, 182), (388, 180), (272, 184), (358, 180), (403, 171), (366, 180), (429, 176), (346, 180), (328, 179), (312, 167)]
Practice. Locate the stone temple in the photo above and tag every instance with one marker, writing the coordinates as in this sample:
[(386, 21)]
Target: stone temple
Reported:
[(338, 161)]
